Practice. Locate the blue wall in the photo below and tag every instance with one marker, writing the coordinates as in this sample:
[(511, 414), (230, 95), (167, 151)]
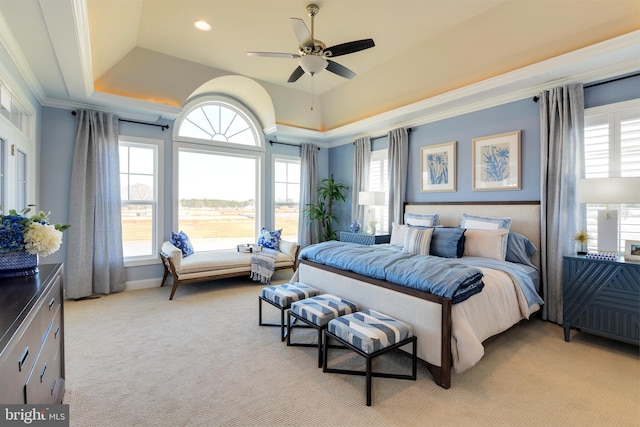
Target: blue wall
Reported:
[(58, 139), (520, 115)]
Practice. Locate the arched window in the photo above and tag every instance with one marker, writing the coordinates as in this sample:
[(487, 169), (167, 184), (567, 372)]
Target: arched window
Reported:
[(220, 153), (220, 121)]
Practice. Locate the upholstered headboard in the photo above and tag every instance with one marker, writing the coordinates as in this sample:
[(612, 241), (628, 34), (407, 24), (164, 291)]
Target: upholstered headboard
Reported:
[(525, 216)]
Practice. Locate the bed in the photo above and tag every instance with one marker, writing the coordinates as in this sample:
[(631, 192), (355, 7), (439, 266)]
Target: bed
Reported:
[(450, 335)]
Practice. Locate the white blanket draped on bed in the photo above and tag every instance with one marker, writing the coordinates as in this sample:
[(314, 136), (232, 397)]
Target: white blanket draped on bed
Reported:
[(500, 305)]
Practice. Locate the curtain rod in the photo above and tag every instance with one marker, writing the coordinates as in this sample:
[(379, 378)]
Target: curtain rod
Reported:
[(287, 143), (384, 136), (604, 82), (137, 122)]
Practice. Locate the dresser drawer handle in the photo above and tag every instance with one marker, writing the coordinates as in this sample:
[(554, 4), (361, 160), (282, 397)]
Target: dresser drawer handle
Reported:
[(23, 359), (44, 369), (55, 334), (53, 301), (53, 385)]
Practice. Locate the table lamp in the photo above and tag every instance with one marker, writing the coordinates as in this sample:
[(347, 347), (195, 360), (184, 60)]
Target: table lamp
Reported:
[(371, 198), (609, 190)]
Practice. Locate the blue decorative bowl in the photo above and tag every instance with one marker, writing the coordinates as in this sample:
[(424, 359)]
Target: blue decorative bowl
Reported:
[(18, 264)]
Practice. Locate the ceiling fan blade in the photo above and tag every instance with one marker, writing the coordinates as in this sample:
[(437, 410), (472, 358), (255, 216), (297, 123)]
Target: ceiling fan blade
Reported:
[(297, 73), (340, 70), (350, 47), (275, 54), (302, 33)]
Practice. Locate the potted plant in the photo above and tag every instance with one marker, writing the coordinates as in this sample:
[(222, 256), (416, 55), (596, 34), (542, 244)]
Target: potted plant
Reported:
[(330, 194)]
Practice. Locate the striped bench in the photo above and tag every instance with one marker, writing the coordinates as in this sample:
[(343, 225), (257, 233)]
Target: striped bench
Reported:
[(281, 297), (369, 334), (317, 312)]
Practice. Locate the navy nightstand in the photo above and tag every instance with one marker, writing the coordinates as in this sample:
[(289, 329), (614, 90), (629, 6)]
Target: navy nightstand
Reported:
[(602, 297)]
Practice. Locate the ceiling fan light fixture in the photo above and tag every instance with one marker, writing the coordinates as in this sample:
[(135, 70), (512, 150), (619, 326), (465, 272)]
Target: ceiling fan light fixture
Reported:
[(312, 64)]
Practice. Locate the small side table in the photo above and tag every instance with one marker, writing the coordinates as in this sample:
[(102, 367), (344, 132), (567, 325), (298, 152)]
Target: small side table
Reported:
[(364, 239), (601, 297)]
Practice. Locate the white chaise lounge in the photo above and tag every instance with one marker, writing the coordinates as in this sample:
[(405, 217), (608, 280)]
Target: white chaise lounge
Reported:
[(219, 264)]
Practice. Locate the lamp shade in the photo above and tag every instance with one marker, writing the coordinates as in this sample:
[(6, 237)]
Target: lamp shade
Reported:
[(610, 190), (371, 198), (312, 64)]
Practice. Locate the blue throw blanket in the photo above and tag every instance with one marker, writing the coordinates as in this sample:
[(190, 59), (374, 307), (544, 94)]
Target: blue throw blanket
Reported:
[(440, 276)]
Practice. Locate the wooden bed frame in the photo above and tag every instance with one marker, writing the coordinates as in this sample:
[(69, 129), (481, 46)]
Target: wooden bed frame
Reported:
[(429, 314)]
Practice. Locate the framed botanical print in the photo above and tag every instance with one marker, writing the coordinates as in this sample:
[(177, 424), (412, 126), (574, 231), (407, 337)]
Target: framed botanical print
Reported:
[(496, 162), (438, 167)]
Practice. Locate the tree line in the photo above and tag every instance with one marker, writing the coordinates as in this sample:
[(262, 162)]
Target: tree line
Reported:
[(215, 203)]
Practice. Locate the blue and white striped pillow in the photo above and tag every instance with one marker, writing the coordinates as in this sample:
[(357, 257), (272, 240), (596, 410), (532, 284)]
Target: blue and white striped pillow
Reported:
[(417, 241)]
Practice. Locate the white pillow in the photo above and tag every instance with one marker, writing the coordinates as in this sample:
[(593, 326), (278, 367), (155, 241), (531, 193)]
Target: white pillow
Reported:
[(421, 220), (288, 248), (417, 241), (172, 252), (398, 232), (486, 243), (484, 222)]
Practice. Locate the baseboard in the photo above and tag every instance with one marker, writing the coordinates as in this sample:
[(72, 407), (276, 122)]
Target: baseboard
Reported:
[(142, 284)]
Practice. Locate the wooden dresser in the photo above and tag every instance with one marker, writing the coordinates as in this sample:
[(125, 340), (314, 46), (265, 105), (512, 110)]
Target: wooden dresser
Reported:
[(32, 338)]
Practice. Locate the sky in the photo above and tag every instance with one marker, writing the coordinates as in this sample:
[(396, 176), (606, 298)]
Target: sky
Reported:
[(215, 176)]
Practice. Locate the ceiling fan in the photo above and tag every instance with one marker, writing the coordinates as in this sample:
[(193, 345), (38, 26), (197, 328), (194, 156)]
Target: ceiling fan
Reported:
[(313, 55)]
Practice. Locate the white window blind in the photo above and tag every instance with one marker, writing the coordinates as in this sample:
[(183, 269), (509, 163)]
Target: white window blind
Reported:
[(612, 149), (379, 181)]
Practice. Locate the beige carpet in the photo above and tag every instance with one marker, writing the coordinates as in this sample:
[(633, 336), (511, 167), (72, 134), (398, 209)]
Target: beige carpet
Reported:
[(138, 359)]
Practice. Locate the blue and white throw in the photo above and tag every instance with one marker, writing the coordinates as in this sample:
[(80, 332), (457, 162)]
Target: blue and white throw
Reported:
[(263, 264), (440, 276)]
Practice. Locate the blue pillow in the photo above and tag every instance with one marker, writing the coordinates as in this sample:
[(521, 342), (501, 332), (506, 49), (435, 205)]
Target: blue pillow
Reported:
[(520, 249), (181, 241), (270, 239), (421, 220), (447, 242)]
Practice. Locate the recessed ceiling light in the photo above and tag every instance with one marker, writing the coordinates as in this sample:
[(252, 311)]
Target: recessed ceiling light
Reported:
[(202, 25)]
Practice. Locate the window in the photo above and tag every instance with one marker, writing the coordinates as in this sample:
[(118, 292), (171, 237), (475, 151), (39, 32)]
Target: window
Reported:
[(379, 181), (612, 149), (286, 192), (219, 121), (12, 110), (3, 169), (217, 198), (220, 156), (140, 196), (21, 180)]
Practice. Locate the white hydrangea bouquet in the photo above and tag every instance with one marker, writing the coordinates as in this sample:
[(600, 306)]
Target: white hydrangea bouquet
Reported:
[(33, 234)]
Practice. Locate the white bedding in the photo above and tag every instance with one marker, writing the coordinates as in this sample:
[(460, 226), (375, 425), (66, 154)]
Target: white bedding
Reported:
[(499, 306)]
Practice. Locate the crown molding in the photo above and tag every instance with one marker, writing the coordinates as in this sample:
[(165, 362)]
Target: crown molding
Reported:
[(614, 57), (17, 57), (607, 59)]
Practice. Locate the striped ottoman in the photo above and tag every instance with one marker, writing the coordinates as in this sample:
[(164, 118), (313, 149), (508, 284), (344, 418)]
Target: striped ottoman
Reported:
[(281, 297), (316, 312), (369, 334)]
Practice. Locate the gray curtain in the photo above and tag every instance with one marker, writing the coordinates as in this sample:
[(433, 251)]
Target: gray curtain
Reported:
[(562, 145), (95, 262), (398, 161), (308, 232), (362, 160)]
